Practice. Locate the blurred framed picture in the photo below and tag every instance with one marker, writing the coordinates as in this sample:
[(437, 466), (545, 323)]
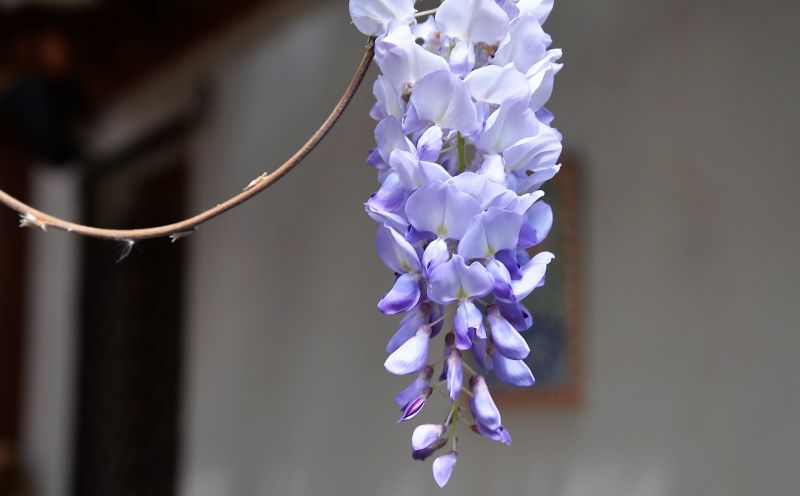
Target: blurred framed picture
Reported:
[(556, 336)]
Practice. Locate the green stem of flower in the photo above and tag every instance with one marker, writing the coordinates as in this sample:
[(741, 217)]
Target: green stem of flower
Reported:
[(462, 155), (427, 12), (442, 318), (444, 395), (469, 369), (453, 417)]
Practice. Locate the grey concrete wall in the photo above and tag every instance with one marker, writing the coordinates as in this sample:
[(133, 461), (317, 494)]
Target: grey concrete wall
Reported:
[(53, 271), (684, 116)]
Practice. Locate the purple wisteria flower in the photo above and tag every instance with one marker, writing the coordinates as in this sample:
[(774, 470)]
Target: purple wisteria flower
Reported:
[(463, 147)]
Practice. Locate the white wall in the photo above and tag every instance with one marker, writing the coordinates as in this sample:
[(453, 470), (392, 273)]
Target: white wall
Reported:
[(684, 114), (51, 337)]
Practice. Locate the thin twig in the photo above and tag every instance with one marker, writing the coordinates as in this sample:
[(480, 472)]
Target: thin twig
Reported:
[(43, 220)]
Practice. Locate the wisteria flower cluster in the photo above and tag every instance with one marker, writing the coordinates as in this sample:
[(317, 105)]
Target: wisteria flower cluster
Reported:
[(464, 145)]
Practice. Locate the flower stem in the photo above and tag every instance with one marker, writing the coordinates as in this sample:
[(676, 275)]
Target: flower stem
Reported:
[(454, 425), (462, 155), (442, 318), (427, 12), (445, 395), (469, 369)]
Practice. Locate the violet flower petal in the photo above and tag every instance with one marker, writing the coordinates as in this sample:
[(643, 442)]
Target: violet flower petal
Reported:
[(425, 435), (443, 468), (435, 254), (516, 314), (498, 85), (403, 296), (411, 356), (455, 280), (415, 406), (482, 405), (443, 99), (441, 209), (423, 454), (407, 329), (507, 341), (490, 232), (538, 222), (455, 375), (430, 144), (373, 18), (525, 45), (513, 372), (473, 20), (414, 389), (532, 275), (408, 63), (396, 252), (500, 434)]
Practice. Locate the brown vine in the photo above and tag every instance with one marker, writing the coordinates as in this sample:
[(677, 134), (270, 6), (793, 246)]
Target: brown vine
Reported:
[(31, 217)]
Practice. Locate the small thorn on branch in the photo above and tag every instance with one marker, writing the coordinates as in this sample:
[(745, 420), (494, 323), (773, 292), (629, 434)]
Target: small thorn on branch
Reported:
[(176, 236), (126, 249), (255, 181), (30, 221)]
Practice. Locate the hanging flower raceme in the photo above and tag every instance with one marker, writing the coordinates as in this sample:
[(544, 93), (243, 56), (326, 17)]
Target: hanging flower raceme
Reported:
[(463, 147)]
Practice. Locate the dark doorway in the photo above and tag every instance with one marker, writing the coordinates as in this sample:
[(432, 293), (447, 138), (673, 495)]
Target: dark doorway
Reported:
[(14, 179), (131, 336)]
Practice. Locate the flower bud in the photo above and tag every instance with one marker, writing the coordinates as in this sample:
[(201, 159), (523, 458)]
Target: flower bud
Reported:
[(455, 375), (423, 454), (443, 468), (425, 435), (416, 405), (482, 405)]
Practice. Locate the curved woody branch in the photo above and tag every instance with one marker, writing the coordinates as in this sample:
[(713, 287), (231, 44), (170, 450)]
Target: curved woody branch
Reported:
[(35, 218)]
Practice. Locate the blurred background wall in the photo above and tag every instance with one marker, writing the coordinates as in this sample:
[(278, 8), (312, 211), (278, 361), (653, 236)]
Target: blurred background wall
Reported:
[(683, 118)]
